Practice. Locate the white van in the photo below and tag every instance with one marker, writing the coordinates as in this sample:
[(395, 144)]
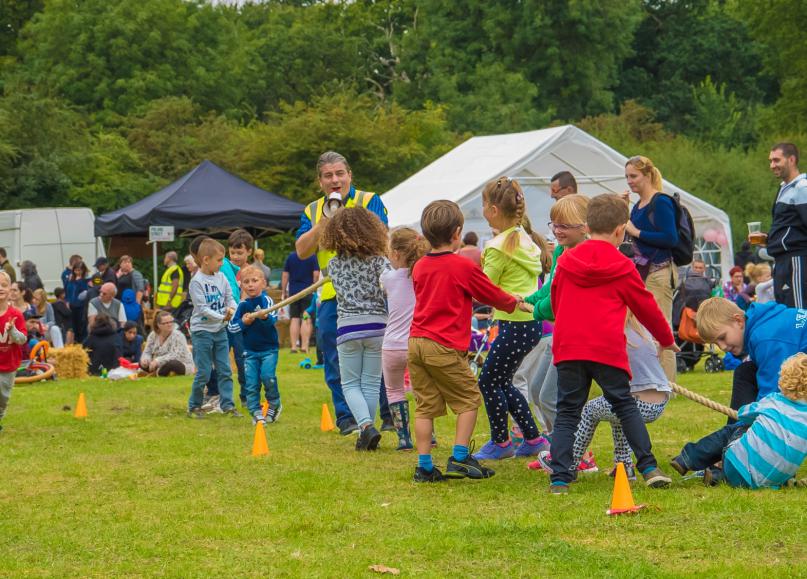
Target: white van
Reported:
[(48, 237)]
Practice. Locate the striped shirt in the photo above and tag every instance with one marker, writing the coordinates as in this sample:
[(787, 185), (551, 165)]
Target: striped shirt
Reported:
[(772, 450)]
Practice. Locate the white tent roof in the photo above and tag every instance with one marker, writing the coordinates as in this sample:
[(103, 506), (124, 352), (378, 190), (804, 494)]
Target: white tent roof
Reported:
[(532, 158)]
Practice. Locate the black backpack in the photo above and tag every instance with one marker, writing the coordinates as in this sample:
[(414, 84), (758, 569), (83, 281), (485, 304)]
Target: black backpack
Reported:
[(684, 251)]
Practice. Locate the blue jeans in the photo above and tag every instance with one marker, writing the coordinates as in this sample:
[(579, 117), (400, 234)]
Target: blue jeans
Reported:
[(326, 338), (236, 342), (712, 448), (210, 348), (360, 365), (261, 367)]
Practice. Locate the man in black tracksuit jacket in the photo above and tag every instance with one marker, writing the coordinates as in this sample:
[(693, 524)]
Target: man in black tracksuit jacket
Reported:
[(787, 239)]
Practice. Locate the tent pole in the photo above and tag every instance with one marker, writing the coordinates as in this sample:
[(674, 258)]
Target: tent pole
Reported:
[(154, 282)]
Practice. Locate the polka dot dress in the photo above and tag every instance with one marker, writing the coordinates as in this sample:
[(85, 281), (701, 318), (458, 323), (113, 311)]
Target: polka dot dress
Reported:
[(514, 342)]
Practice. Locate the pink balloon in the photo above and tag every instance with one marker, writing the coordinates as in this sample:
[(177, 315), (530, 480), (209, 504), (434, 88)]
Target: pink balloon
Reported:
[(710, 235), (722, 240)]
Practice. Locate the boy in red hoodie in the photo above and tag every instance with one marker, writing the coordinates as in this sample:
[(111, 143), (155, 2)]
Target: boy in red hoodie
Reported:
[(594, 284), (12, 335), (445, 286)]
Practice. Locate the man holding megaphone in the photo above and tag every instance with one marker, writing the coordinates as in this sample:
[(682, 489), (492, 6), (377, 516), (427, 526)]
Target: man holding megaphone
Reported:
[(335, 180)]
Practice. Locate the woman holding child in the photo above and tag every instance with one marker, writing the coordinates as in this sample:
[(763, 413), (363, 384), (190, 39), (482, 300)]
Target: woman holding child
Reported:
[(166, 349), (654, 232)]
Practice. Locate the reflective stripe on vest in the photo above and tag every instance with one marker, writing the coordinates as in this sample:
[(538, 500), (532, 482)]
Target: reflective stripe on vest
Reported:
[(164, 289), (314, 213)]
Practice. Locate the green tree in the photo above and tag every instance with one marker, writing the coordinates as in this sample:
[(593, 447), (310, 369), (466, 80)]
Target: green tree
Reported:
[(778, 26), (13, 16), (680, 44)]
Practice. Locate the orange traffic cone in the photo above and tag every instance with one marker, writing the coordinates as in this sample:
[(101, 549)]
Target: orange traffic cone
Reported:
[(259, 444), (326, 422), (265, 407), (81, 407), (622, 500)]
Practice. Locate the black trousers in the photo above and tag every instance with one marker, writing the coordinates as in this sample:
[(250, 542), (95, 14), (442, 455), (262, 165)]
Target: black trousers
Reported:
[(744, 387), (574, 384), (790, 281)]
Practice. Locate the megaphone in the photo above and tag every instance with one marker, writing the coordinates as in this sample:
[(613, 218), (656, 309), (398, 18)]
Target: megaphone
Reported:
[(332, 204)]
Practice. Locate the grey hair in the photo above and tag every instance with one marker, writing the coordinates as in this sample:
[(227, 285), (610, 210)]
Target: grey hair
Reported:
[(329, 157)]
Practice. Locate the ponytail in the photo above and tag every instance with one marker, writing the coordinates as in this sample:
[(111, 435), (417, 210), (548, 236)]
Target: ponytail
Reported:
[(656, 180), (410, 245), (541, 242)]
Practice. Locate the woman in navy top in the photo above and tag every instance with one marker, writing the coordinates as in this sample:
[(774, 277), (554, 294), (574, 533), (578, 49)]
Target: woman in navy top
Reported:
[(654, 234)]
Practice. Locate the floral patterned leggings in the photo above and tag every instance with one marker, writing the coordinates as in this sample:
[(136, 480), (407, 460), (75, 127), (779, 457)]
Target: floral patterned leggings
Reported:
[(597, 410)]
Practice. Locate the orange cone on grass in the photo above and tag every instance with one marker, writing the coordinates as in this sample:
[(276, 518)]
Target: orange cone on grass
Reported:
[(259, 445), (622, 499), (81, 407), (326, 422)]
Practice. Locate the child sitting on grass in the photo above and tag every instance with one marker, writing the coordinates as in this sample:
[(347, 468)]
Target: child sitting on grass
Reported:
[(12, 326), (260, 345), (132, 342), (594, 285), (103, 345), (767, 445), (445, 286), (768, 333), (360, 241), (213, 307)]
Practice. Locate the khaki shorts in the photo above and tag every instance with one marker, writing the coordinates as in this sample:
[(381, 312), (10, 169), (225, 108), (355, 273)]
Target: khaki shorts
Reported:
[(441, 376)]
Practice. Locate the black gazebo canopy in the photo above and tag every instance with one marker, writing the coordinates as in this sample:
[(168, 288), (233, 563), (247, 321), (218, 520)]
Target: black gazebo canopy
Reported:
[(206, 199)]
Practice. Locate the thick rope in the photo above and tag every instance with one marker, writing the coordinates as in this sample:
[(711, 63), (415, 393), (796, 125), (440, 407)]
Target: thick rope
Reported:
[(296, 297), (730, 412)]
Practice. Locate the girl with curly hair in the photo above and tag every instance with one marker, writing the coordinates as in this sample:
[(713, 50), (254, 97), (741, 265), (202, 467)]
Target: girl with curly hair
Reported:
[(359, 240)]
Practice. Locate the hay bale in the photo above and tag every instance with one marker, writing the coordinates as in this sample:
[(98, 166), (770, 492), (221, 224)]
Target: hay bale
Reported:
[(71, 361)]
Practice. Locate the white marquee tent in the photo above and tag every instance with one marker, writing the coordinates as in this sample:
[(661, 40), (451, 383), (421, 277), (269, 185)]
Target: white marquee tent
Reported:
[(532, 158)]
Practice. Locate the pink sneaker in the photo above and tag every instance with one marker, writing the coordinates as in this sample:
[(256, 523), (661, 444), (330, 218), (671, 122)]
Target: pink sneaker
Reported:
[(587, 463)]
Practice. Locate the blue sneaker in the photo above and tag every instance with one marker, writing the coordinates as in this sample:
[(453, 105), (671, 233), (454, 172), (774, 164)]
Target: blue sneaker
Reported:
[(527, 449), (492, 451)]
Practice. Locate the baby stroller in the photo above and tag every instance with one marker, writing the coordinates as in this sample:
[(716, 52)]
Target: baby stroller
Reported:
[(182, 317), (481, 339), (692, 291)]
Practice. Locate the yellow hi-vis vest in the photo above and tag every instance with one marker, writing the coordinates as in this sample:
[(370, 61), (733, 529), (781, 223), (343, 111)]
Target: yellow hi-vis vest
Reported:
[(314, 212), (164, 289)]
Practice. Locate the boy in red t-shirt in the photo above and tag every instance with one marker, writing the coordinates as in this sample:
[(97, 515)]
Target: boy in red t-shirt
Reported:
[(445, 286), (12, 335), (593, 286)]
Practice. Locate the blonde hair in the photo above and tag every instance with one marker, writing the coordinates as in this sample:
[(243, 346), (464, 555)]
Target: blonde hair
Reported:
[(759, 270), (258, 254), (793, 377), (570, 210), (714, 315), (508, 197), (42, 298), (646, 167), (410, 244), (251, 269), (209, 248), (632, 323), (4, 275)]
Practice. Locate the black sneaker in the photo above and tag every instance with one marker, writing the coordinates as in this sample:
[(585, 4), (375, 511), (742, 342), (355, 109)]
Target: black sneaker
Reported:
[(388, 425), (425, 476), (368, 439), (678, 465), (468, 468), (348, 427), (196, 412)]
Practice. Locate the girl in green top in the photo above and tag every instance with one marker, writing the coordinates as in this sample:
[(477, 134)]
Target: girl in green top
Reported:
[(512, 260)]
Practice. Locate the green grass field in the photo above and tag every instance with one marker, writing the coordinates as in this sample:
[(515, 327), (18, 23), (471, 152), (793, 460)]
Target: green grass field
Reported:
[(138, 489)]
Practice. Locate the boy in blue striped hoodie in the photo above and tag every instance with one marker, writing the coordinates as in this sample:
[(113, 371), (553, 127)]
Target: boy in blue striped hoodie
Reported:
[(768, 443)]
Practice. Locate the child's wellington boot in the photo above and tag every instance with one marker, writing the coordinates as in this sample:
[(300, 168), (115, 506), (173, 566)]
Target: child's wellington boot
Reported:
[(400, 418)]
